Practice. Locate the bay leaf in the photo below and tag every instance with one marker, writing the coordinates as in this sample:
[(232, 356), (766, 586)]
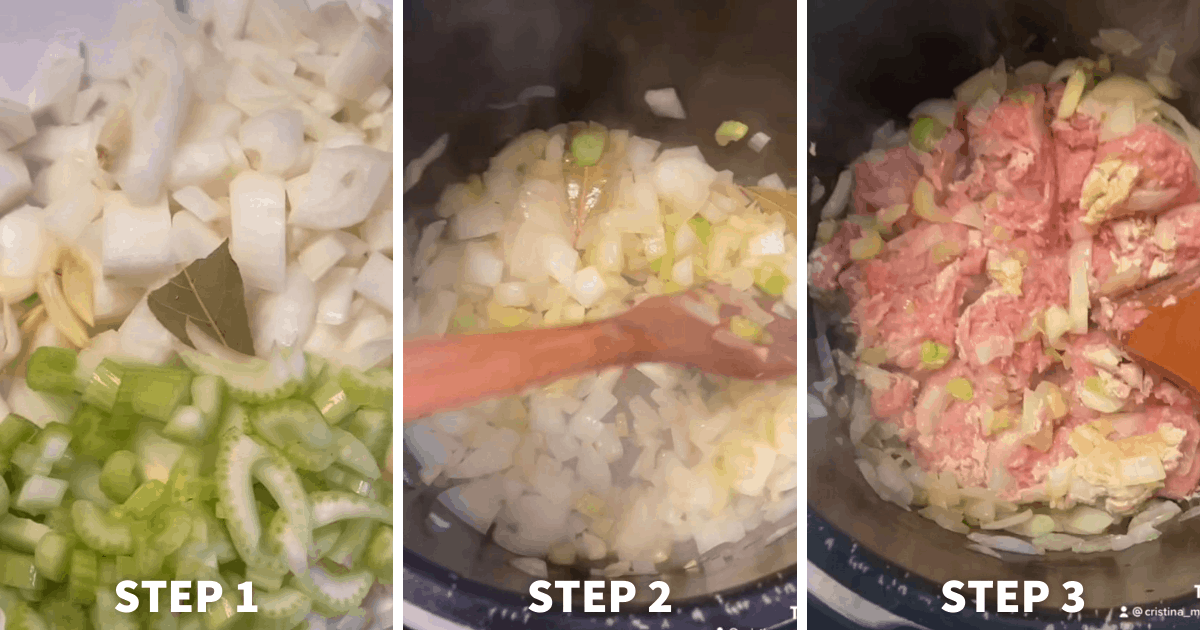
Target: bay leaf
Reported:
[(777, 201), (210, 293)]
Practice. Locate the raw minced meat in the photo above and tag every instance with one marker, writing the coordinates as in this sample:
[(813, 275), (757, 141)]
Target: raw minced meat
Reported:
[(976, 290)]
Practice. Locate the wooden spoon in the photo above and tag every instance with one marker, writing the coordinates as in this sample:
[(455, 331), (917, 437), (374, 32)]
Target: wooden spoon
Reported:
[(691, 329)]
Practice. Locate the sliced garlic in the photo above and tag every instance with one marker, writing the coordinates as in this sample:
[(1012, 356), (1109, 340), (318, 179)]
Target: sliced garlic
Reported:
[(60, 312)]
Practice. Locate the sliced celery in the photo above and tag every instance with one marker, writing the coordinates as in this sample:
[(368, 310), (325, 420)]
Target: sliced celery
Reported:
[(52, 555), (266, 578), (208, 393), (106, 615), (372, 388), (353, 542), (21, 534), (298, 429), (333, 403), (40, 494), (96, 436), (61, 613), (332, 506), (156, 392), (102, 388), (373, 428), (15, 430), (84, 576), (51, 369), (17, 571), (118, 478), (353, 454), (147, 500), (379, 553), (256, 381), (100, 531), (4, 498)]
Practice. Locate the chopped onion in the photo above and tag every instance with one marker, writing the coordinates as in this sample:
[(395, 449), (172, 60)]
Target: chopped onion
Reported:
[(665, 103), (258, 241), (1079, 263), (758, 142)]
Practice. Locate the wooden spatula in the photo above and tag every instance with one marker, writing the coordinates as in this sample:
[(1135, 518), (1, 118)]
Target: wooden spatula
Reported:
[(1166, 340), (691, 329)]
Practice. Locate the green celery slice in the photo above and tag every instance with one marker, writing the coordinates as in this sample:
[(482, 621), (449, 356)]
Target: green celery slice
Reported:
[(298, 429), (118, 478), (256, 381), (335, 593), (21, 534), (353, 454), (379, 554), (84, 576), (40, 494), (156, 392), (96, 435), (51, 369), (15, 430), (372, 388), (100, 531), (332, 506), (52, 556), (101, 390), (353, 542), (17, 571), (333, 403), (373, 427)]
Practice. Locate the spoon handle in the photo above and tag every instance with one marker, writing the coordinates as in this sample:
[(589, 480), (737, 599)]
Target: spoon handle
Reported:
[(450, 372)]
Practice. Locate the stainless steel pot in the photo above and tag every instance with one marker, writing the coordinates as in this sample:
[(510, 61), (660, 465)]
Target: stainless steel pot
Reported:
[(871, 62), (727, 61)]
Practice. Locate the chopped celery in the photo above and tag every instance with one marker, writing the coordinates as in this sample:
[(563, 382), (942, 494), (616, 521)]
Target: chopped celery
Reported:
[(39, 456), (146, 500), (188, 424), (96, 436), (339, 477), (52, 555), (332, 506), (84, 576), (771, 280), (588, 147), (379, 553), (283, 604), (331, 400), (155, 392), (926, 132), (4, 496), (373, 428), (372, 388), (266, 578), (17, 571), (208, 392), (106, 615), (21, 534), (731, 131), (40, 494), (333, 593), (51, 369), (63, 614), (102, 388), (961, 389), (702, 228), (934, 355), (118, 479), (353, 454), (353, 542), (100, 531), (298, 429), (255, 381), (324, 538), (15, 430)]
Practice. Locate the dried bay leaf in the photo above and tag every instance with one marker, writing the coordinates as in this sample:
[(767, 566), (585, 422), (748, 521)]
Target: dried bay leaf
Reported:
[(209, 293), (777, 201)]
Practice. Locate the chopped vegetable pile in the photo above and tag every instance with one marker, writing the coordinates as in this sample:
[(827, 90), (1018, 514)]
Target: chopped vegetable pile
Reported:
[(636, 471), (196, 331)]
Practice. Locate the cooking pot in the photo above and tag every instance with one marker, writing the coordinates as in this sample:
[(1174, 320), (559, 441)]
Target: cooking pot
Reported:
[(871, 62), (466, 64)]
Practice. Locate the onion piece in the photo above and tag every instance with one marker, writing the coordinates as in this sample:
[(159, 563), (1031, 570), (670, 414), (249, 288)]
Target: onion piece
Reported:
[(1079, 263), (665, 103), (343, 186), (374, 280), (758, 142), (258, 241)]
